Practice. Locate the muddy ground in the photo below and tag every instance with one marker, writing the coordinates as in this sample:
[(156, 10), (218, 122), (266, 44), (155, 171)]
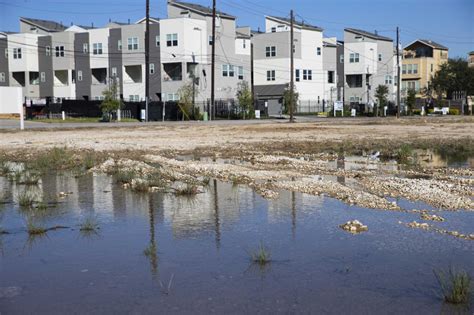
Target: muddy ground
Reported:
[(312, 158)]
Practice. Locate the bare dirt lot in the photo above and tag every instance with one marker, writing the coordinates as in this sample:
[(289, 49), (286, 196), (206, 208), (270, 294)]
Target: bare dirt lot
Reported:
[(225, 136)]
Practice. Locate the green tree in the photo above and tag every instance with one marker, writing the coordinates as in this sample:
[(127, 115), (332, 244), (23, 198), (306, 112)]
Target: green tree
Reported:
[(411, 100), (287, 99), (185, 102), (110, 103), (381, 93), (453, 76), (244, 95)]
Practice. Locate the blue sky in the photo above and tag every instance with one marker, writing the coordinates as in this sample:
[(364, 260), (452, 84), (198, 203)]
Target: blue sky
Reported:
[(449, 22)]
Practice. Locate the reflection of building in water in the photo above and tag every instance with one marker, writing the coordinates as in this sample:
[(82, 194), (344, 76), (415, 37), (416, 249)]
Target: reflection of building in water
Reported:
[(220, 205), (354, 163), (289, 204), (102, 196)]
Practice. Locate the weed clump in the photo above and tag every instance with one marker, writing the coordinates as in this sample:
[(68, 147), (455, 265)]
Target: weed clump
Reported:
[(455, 285), (26, 198), (187, 190), (89, 225), (55, 159), (404, 153), (125, 177), (261, 255), (35, 229)]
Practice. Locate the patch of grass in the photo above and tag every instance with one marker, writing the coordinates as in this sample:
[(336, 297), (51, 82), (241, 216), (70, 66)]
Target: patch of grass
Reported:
[(26, 198), (89, 161), (35, 229), (125, 177), (187, 190), (55, 159), (29, 178), (140, 185), (455, 285), (89, 225), (156, 179), (261, 255), (404, 153)]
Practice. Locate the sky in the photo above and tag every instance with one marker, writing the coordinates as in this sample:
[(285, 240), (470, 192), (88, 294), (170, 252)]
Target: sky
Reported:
[(449, 22)]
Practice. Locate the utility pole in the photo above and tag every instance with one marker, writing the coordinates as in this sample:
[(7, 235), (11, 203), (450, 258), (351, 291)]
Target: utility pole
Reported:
[(398, 73), (252, 80), (147, 59), (213, 59), (367, 83), (292, 66)]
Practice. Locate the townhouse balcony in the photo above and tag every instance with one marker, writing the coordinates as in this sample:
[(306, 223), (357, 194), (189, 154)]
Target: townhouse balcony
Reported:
[(172, 71), (99, 76), (133, 74), (19, 79), (61, 78)]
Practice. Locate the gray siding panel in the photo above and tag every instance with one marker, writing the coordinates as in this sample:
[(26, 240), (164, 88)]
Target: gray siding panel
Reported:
[(115, 55), (4, 61), (45, 64), (155, 79), (82, 61)]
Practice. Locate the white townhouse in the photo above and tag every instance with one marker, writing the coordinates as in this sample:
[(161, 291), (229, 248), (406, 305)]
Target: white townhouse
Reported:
[(369, 61), (272, 63), (186, 45)]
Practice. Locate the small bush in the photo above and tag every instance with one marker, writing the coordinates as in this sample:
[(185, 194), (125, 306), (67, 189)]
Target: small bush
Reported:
[(404, 153), (453, 111), (455, 285), (54, 159), (28, 178)]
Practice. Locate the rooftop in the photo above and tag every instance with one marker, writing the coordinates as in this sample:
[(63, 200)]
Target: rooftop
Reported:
[(49, 26), (199, 8), (430, 43), (301, 24), (368, 34)]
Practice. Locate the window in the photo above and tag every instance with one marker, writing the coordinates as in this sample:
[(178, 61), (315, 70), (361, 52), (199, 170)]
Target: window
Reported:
[(431, 67), (171, 40), (307, 75), (2, 76), (59, 51), (244, 44), (210, 39), (415, 69), (354, 58), (240, 72), (330, 76), (341, 58), (404, 69), (271, 75), (134, 98), (270, 51), (380, 57), (157, 40), (396, 81), (43, 77), (79, 75), (97, 49), (85, 48), (16, 53), (173, 97), (152, 68), (132, 43), (228, 71), (409, 69), (354, 99), (114, 72), (48, 51), (297, 75), (388, 79), (274, 29), (318, 51), (6, 53), (119, 44)]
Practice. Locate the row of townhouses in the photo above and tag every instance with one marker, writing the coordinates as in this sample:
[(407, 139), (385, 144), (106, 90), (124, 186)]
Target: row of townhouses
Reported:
[(53, 62)]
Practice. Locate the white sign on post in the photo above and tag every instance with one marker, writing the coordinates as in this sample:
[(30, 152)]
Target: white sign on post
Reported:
[(257, 114), (338, 106)]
